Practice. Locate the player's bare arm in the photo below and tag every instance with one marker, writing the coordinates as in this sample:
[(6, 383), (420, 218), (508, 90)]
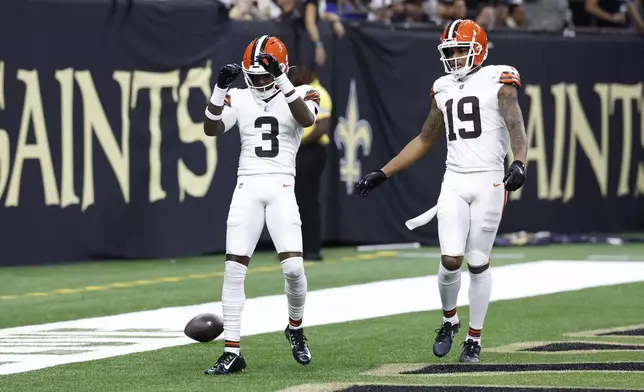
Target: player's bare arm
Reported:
[(213, 124), (214, 127), (511, 113), (300, 110), (433, 128)]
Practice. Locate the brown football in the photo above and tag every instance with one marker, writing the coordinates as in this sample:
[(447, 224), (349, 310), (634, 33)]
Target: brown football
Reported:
[(204, 327)]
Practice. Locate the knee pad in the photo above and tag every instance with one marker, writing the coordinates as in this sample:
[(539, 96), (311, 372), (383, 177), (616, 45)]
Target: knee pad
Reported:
[(293, 268), (476, 258)]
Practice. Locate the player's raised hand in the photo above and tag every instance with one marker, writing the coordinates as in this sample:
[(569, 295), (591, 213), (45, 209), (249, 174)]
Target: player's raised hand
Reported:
[(515, 176), (270, 64), (371, 181), (228, 74)]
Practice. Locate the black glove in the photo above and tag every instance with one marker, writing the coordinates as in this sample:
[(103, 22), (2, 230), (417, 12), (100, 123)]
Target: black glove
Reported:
[(270, 64), (227, 75), (371, 181), (515, 176)]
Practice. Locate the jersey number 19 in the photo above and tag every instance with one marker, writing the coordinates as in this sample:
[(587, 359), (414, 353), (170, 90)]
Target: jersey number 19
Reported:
[(474, 117)]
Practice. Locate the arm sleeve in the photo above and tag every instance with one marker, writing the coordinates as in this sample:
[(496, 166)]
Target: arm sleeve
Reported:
[(229, 114)]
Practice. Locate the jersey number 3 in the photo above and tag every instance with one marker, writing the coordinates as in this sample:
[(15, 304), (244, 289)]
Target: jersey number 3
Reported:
[(473, 116), (271, 134)]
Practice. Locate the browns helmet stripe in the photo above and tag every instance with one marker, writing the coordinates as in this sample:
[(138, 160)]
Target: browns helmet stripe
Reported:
[(258, 46), (453, 28)]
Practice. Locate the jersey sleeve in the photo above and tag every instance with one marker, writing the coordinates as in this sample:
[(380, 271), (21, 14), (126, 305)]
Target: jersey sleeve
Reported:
[(437, 87), (509, 75), (326, 105), (312, 99), (229, 114)]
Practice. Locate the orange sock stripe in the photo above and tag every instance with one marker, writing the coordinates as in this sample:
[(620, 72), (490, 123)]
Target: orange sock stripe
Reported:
[(475, 333), (449, 313), (231, 343), (294, 323)]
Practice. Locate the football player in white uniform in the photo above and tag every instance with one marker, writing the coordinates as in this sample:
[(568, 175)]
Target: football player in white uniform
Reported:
[(270, 115), (476, 108)]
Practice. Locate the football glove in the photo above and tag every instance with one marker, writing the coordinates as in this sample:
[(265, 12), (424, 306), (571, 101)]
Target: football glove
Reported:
[(370, 182), (515, 176), (270, 64), (227, 75)]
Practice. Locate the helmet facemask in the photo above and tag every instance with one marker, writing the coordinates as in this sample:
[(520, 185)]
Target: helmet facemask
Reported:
[(451, 63), (251, 77)]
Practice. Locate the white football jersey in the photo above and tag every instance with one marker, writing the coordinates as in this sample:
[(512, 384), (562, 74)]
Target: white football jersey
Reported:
[(270, 136), (477, 137)]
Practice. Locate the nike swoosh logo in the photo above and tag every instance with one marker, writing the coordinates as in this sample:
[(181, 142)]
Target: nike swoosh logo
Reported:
[(496, 185), (229, 365)]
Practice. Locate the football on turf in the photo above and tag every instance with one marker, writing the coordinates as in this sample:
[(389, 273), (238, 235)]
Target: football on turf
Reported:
[(204, 327)]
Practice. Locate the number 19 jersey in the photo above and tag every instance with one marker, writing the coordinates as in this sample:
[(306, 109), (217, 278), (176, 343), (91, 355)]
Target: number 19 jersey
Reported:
[(270, 136), (477, 136)]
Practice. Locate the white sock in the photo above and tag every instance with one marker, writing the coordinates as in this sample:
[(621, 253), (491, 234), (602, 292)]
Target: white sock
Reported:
[(449, 284), (480, 291), (233, 298), (295, 285)]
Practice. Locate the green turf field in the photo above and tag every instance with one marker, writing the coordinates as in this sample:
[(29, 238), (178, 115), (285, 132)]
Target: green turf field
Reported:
[(372, 351)]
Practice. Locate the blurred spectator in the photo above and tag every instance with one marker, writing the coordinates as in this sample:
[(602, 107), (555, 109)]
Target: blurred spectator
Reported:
[(545, 15), (310, 161), (336, 23), (347, 9), (306, 14), (399, 11), (634, 11), (492, 14), (254, 10), (607, 13), (445, 11), (516, 15)]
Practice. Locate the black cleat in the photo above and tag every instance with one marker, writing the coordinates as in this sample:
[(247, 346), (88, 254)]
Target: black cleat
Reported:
[(444, 339), (471, 351), (300, 349), (228, 363)]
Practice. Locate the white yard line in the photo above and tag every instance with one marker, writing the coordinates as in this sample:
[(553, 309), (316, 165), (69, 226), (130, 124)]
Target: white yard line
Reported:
[(268, 314)]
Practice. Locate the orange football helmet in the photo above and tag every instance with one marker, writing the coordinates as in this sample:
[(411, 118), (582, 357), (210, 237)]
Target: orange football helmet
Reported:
[(463, 33), (254, 74)]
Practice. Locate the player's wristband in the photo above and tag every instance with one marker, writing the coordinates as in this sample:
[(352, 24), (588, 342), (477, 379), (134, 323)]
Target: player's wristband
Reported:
[(293, 97), (218, 96), (213, 117), (286, 86)]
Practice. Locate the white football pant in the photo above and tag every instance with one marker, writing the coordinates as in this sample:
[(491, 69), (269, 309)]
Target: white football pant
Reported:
[(470, 207), (259, 199)]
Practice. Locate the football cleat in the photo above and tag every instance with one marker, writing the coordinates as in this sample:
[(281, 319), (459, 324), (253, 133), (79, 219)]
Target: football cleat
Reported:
[(471, 351), (445, 338), (300, 349), (228, 363)]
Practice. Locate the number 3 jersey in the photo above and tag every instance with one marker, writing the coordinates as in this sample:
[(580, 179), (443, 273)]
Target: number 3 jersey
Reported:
[(477, 137), (270, 136)]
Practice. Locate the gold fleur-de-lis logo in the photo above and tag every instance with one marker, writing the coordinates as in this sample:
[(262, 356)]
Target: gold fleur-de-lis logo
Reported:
[(352, 133)]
